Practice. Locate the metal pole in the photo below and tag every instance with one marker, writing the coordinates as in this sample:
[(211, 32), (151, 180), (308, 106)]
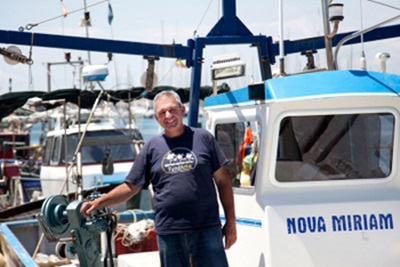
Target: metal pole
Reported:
[(327, 31), (49, 64), (65, 147), (48, 77), (281, 40), (87, 32), (195, 84)]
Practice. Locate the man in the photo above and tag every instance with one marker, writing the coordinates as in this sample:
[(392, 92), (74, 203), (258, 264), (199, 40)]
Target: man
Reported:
[(183, 164)]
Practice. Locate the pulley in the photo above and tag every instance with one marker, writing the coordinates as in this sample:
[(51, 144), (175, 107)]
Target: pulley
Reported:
[(54, 217), (57, 216), (13, 55)]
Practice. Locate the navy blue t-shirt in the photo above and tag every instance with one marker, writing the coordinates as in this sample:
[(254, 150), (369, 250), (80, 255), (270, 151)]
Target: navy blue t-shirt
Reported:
[(180, 170)]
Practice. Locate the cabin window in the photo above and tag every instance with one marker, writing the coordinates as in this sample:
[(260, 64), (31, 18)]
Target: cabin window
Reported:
[(119, 145), (47, 150), (333, 147), (239, 142), (55, 157)]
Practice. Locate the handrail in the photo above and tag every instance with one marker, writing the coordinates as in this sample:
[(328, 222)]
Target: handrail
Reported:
[(356, 34)]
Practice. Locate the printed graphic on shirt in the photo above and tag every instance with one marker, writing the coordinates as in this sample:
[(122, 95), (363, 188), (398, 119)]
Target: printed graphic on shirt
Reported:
[(179, 160)]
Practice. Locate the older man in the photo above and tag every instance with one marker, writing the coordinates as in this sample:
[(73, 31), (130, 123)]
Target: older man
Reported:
[(183, 164)]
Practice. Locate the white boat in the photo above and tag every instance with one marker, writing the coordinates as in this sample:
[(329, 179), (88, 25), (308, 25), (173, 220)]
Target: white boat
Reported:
[(324, 186), (107, 151)]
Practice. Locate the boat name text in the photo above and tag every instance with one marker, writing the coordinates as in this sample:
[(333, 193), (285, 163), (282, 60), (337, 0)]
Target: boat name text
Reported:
[(340, 223)]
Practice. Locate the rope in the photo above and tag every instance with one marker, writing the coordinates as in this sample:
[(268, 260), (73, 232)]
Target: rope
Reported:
[(31, 25), (123, 234)]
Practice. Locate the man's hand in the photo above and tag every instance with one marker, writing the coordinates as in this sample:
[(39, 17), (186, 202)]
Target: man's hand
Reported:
[(225, 191), (229, 232), (88, 207), (118, 195)]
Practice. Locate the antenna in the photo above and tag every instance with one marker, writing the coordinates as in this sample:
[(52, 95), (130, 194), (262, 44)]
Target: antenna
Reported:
[(363, 60)]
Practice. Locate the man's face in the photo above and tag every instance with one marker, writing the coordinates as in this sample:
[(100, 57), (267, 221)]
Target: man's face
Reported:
[(168, 113)]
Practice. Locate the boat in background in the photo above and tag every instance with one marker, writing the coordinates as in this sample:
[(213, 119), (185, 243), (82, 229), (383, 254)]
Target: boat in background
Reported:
[(19, 166), (113, 136), (107, 144)]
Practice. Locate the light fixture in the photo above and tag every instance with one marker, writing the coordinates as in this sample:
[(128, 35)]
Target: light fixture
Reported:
[(85, 21), (227, 66), (336, 12), (335, 16)]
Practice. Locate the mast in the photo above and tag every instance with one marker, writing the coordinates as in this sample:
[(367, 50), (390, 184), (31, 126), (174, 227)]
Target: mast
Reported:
[(87, 24)]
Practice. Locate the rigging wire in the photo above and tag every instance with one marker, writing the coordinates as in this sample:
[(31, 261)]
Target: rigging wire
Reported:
[(362, 36), (167, 73), (31, 25), (202, 18), (384, 4), (363, 60)]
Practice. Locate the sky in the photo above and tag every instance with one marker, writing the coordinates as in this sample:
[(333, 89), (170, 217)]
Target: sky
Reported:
[(165, 22)]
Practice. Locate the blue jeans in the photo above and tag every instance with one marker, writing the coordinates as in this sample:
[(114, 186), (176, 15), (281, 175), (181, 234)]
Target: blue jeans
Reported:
[(205, 247)]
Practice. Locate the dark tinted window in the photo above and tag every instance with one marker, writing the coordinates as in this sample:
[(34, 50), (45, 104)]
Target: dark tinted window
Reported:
[(332, 147)]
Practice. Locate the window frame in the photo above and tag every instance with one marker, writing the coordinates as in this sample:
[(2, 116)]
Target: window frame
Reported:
[(286, 115), (247, 190)]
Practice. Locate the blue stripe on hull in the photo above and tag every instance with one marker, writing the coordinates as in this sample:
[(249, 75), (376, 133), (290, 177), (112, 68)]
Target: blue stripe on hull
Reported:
[(245, 221)]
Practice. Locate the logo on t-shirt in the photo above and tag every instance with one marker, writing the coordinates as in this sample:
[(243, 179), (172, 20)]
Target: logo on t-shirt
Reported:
[(179, 160)]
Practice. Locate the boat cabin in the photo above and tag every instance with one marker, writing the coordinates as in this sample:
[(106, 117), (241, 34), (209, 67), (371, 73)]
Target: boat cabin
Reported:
[(107, 151), (312, 162)]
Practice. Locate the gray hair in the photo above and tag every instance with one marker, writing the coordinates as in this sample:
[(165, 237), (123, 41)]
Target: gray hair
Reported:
[(168, 93)]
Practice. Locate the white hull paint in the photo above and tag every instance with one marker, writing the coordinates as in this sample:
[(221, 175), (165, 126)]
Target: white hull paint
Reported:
[(53, 178)]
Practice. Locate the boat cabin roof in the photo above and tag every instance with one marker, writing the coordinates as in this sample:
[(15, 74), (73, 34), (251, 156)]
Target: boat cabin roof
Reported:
[(310, 85)]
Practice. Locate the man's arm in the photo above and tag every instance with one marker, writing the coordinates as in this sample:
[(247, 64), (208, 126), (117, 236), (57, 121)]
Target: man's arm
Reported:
[(225, 191), (120, 194)]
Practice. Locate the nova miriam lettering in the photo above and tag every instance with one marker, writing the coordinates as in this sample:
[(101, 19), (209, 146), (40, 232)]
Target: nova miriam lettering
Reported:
[(306, 224), (340, 223), (358, 222)]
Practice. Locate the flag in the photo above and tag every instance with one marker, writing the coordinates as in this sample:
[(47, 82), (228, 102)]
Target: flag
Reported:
[(110, 14), (180, 63), (64, 9)]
